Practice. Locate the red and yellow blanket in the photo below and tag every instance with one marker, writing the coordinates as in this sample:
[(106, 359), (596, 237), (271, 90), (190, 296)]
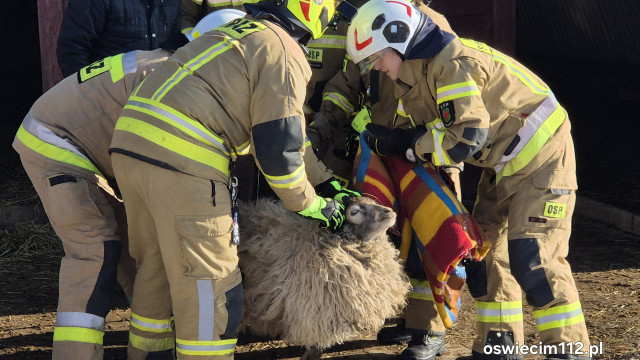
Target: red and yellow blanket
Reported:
[(430, 214)]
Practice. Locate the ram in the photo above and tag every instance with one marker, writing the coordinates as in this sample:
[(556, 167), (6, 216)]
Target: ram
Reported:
[(315, 288)]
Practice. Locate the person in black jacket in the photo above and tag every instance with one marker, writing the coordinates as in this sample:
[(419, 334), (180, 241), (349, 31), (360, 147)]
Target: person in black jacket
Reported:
[(94, 29)]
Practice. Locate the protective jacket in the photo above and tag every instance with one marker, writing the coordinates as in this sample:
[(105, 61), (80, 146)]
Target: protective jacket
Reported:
[(474, 122), (92, 30), (195, 111)]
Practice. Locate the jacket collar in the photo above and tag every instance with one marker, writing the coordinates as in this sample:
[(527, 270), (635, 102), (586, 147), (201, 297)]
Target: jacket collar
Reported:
[(429, 41)]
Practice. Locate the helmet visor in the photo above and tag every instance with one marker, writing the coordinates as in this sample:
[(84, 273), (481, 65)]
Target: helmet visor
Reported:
[(370, 61)]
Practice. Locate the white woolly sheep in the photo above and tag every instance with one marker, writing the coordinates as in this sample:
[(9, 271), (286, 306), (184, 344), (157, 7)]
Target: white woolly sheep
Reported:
[(316, 288)]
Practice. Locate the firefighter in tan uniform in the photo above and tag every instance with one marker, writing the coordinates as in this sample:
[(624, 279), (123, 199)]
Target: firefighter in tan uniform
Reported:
[(239, 88), (63, 144), (343, 95), (496, 114)]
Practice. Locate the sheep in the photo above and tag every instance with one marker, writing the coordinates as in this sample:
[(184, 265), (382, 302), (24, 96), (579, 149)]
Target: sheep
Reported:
[(315, 288)]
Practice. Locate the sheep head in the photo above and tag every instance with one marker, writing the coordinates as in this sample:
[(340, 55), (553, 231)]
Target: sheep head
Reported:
[(365, 219)]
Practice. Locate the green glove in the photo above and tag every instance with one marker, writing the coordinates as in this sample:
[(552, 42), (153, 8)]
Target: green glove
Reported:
[(361, 120), (333, 190), (329, 212)]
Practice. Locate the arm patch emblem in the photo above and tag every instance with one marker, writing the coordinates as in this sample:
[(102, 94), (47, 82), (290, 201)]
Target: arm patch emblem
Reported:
[(447, 113)]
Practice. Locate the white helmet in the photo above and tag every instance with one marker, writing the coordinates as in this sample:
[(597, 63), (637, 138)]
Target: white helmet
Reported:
[(214, 20), (380, 25)]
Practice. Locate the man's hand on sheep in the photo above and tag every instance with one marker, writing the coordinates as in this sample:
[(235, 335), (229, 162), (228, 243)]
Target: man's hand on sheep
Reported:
[(329, 212), (333, 190)]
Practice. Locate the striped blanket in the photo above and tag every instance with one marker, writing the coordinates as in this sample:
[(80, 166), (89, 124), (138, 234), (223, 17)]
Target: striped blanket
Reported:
[(430, 217)]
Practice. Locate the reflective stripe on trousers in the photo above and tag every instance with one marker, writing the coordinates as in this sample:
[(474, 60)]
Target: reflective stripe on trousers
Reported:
[(421, 290), (79, 327), (558, 316), (499, 312), (157, 339)]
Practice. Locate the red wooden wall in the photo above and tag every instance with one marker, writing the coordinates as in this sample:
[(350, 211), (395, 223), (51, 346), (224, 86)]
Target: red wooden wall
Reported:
[(50, 14)]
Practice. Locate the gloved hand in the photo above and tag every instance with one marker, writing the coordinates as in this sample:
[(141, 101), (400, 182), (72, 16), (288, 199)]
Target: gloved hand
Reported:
[(323, 124), (333, 190), (352, 141), (393, 142), (351, 144), (330, 213), (315, 139), (362, 119)]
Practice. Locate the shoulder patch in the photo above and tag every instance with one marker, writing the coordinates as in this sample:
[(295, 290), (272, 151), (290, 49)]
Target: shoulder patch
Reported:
[(239, 28), (476, 45), (447, 113), (314, 57), (95, 69)]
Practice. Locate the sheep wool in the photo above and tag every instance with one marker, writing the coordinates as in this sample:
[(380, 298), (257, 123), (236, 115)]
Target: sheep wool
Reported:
[(316, 288)]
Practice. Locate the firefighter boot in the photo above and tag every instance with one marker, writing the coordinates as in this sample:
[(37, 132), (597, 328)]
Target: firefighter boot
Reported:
[(398, 334), (424, 347)]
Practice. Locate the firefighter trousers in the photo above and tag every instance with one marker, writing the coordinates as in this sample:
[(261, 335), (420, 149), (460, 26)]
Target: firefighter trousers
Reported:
[(529, 233), (92, 227), (188, 291)]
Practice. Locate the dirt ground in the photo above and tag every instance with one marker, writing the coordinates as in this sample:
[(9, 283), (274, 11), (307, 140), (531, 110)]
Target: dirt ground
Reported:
[(606, 264)]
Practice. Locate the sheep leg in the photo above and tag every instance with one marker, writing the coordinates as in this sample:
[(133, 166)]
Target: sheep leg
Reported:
[(311, 353)]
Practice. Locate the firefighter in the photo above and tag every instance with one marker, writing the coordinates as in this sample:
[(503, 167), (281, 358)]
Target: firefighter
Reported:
[(491, 112), (63, 144), (237, 89), (421, 325)]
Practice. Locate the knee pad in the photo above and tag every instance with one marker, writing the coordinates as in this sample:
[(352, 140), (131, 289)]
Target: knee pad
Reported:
[(524, 255), (100, 301), (234, 311)]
